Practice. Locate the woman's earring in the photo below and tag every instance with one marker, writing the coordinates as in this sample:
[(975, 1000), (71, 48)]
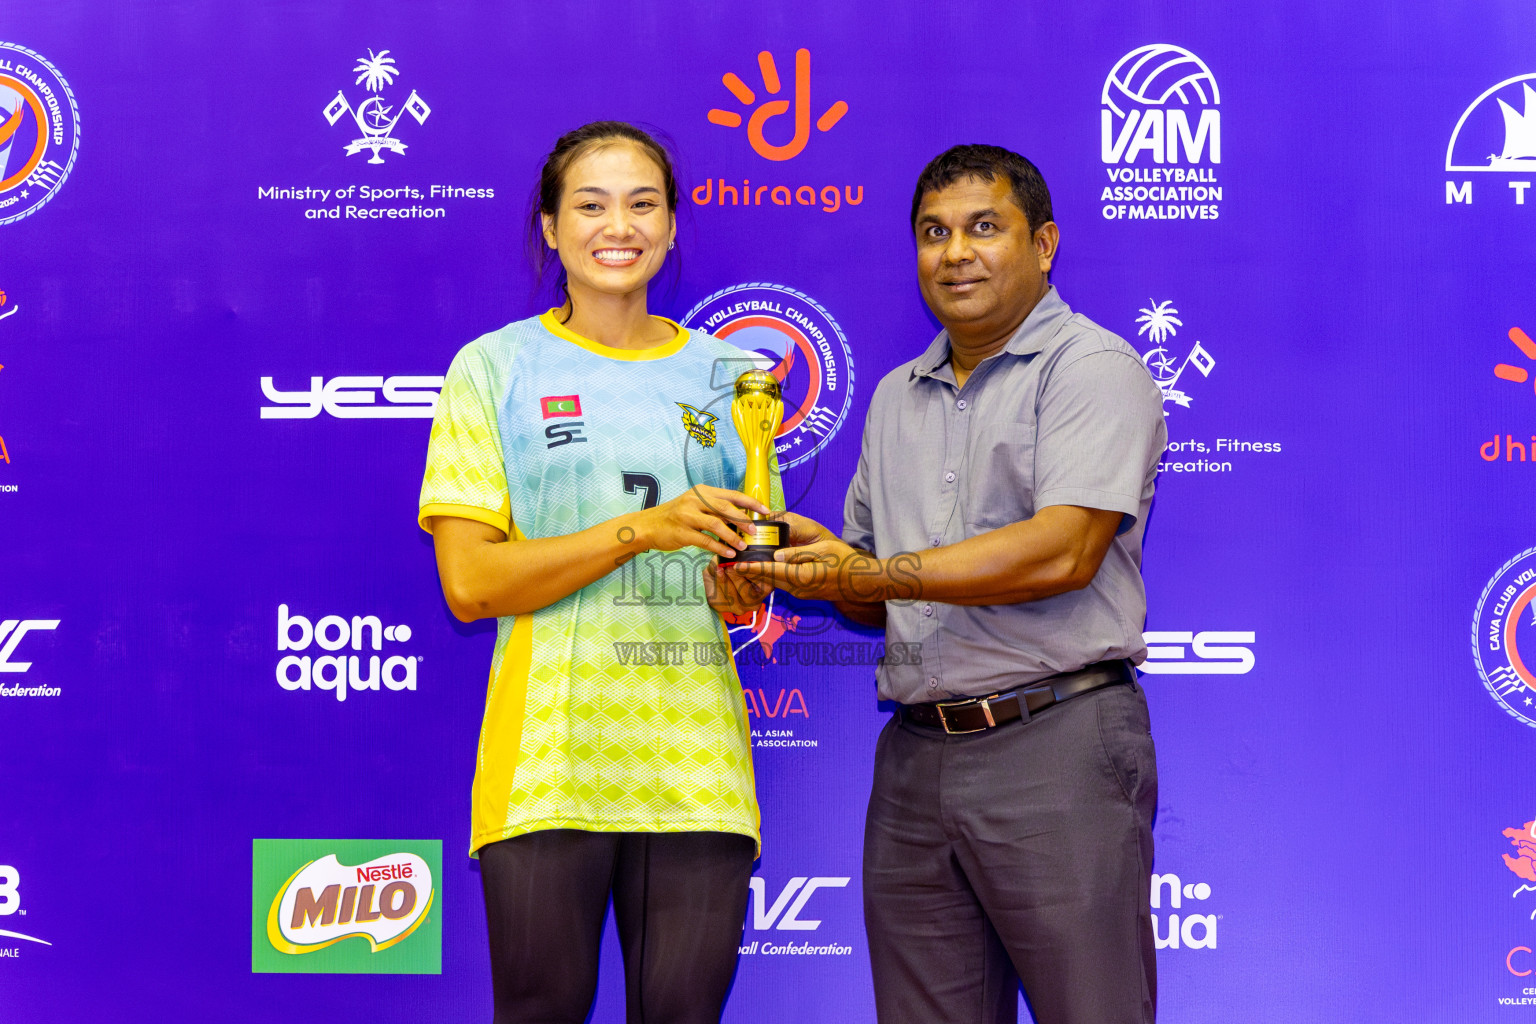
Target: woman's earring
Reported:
[(671, 245)]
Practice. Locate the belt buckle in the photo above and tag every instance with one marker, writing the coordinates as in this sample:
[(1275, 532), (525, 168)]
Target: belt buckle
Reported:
[(986, 710)]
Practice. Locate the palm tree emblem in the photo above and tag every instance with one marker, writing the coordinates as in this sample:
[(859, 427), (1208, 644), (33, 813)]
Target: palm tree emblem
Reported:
[(1159, 322), (375, 118), (378, 69)]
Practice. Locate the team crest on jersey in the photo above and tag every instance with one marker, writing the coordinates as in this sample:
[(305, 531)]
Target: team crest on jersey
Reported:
[(699, 424)]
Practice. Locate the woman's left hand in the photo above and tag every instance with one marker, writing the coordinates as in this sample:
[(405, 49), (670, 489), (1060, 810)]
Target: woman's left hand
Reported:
[(731, 593)]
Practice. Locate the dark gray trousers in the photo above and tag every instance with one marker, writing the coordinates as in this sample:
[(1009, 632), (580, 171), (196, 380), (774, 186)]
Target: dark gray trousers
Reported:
[(1023, 853)]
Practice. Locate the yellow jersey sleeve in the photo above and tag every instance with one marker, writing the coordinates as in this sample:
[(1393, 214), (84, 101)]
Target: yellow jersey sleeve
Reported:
[(466, 470)]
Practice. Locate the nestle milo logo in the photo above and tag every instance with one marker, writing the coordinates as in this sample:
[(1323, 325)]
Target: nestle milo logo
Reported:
[(353, 906)]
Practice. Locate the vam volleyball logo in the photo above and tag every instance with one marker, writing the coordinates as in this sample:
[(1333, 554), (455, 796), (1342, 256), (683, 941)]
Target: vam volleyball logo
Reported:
[(39, 131), (792, 336), (1504, 624), (1496, 133), (1160, 136)]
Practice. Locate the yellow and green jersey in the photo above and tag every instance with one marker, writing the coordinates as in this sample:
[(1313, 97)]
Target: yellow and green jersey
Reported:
[(616, 709)]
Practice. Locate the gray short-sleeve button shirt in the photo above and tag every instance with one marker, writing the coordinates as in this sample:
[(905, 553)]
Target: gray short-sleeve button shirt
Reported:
[(1065, 414)]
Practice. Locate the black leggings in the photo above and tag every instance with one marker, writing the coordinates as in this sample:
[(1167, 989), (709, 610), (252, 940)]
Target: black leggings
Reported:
[(679, 900)]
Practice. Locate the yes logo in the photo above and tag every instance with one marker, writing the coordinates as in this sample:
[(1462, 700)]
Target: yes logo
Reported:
[(353, 398), (773, 108), (310, 897), (1215, 653)]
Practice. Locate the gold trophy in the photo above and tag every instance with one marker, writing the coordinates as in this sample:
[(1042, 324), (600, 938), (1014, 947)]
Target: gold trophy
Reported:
[(757, 410)]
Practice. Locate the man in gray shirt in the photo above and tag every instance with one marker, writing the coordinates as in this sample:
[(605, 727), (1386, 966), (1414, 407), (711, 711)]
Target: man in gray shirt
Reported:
[(994, 527)]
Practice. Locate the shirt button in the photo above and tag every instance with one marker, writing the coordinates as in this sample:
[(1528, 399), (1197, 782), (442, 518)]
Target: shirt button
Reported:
[(937, 541), (960, 405), (933, 682), (949, 477), (928, 610)]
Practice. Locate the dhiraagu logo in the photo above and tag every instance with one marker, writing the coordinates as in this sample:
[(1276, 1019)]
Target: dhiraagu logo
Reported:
[(346, 906)]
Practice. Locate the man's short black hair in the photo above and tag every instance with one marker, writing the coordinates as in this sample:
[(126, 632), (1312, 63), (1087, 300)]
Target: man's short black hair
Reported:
[(986, 163)]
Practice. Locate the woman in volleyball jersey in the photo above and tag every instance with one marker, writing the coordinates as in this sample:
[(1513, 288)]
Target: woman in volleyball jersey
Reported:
[(576, 484)]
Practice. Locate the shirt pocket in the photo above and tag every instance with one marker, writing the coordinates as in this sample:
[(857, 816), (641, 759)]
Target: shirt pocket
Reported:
[(1000, 479)]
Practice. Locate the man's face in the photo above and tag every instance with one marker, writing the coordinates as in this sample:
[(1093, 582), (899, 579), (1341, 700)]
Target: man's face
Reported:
[(980, 268)]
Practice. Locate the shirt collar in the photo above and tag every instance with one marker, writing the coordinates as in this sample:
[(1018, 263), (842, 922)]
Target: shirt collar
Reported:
[(1038, 328)]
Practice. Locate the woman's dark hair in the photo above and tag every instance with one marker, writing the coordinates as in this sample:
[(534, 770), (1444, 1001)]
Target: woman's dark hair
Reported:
[(568, 149)]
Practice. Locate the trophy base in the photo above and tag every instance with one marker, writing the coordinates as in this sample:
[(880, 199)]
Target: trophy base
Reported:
[(765, 537)]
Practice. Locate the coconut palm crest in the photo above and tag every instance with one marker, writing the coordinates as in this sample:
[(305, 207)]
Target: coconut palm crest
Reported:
[(379, 70), (1159, 322)]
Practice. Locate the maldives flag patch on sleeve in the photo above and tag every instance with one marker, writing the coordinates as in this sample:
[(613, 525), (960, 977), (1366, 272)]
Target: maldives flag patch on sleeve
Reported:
[(561, 405)]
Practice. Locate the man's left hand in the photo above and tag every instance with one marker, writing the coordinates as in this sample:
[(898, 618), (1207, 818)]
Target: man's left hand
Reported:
[(827, 570)]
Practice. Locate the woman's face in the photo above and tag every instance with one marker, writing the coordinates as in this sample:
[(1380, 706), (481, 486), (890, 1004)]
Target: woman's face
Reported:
[(613, 226)]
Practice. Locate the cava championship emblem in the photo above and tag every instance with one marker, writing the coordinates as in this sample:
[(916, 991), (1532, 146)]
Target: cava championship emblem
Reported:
[(375, 118), (791, 336), (39, 131), (1504, 624)]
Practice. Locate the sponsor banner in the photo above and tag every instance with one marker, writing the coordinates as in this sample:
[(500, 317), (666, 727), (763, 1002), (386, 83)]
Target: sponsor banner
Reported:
[(346, 906)]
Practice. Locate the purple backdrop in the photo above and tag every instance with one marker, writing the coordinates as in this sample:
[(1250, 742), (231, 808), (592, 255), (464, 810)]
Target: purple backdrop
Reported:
[(1312, 219)]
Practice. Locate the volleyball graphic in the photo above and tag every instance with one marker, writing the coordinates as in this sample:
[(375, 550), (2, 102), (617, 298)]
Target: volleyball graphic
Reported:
[(1152, 75)]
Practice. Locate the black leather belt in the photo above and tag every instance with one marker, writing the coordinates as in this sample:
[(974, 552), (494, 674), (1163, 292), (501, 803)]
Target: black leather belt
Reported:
[(976, 714)]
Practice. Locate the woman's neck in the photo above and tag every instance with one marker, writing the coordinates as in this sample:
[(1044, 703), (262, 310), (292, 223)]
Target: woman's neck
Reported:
[(617, 321)]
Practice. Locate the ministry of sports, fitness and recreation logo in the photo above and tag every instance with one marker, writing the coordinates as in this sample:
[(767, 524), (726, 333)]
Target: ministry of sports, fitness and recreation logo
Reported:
[(790, 335), (1505, 622), (1160, 323), (1160, 136), (39, 131), (375, 118), (346, 906)]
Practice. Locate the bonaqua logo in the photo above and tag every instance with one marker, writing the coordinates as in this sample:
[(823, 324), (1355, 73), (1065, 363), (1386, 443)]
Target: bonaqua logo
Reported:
[(1160, 136), (342, 672), (39, 131), (723, 192), (1186, 930)]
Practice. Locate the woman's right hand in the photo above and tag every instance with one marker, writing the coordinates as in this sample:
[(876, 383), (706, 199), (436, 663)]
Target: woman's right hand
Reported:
[(682, 522)]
